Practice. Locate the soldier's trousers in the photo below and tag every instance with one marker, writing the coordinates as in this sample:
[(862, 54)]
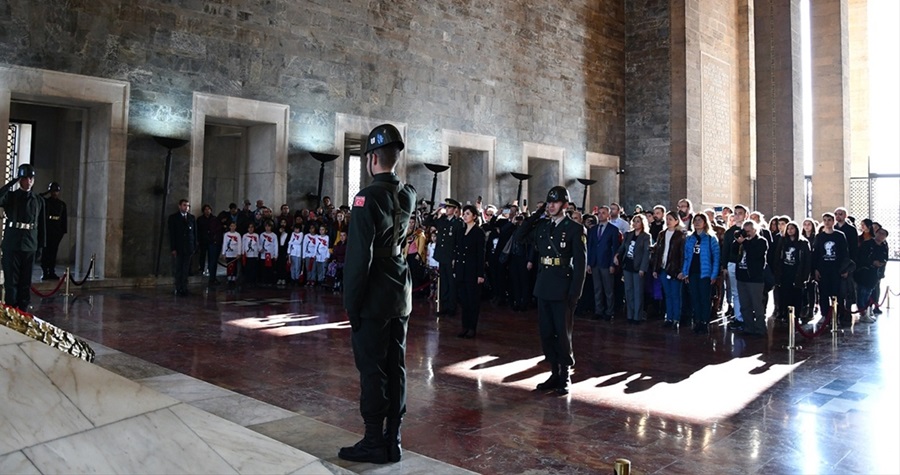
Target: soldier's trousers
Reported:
[(48, 254), (17, 272), (379, 349), (447, 293), (555, 322)]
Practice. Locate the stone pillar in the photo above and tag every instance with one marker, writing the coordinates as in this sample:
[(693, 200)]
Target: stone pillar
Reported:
[(859, 88), (745, 167), (829, 20), (779, 108)]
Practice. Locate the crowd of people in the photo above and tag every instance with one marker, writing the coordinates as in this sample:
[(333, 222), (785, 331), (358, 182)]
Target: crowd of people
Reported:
[(684, 267)]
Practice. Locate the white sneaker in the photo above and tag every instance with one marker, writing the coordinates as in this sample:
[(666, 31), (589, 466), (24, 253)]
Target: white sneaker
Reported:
[(867, 317)]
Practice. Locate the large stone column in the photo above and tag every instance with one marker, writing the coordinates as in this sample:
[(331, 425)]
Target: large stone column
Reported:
[(779, 108), (859, 88), (829, 20)]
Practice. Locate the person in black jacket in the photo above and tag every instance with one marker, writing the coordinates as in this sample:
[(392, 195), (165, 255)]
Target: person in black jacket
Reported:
[(209, 234), (792, 268), (469, 270), (873, 256), (449, 227), (830, 263), (182, 243), (751, 267)]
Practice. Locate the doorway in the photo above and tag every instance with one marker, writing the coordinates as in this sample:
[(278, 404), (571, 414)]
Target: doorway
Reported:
[(468, 175)]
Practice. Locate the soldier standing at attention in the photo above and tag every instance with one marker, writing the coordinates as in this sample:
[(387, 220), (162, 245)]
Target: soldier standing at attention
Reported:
[(450, 227), (23, 236), (378, 298), (560, 243), (57, 226)]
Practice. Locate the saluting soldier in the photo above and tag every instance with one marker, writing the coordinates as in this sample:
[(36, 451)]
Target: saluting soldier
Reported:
[(23, 236), (449, 229), (57, 226), (560, 244), (378, 298)]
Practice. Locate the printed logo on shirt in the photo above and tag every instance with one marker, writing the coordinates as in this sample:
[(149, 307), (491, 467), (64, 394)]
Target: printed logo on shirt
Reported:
[(743, 263), (830, 253), (790, 256), (631, 250), (697, 248)]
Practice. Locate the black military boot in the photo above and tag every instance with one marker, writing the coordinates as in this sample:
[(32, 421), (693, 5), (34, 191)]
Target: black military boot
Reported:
[(564, 380), (392, 439), (553, 381), (372, 448)]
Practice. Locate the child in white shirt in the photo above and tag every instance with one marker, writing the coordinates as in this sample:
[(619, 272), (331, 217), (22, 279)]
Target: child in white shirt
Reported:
[(250, 250), (268, 254), (310, 245), (231, 251), (295, 251), (322, 254)]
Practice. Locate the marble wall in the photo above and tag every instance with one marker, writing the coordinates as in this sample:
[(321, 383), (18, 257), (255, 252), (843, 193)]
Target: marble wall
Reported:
[(540, 72)]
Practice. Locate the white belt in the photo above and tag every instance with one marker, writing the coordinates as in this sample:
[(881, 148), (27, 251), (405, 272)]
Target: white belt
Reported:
[(13, 225)]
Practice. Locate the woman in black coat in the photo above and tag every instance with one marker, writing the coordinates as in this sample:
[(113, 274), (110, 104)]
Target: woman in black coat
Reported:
[(469, 270)]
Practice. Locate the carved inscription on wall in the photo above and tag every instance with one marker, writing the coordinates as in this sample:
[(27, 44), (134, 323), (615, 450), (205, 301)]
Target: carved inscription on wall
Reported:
[(715, 113)]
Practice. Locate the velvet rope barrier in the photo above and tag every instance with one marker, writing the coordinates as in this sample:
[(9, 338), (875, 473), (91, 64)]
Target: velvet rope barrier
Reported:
[(86, 274), (52, 292)]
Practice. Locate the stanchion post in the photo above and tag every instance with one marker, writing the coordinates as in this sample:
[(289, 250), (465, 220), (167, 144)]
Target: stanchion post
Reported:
[(622, 467), (834, 315), (93, 275), (792, 330), (68, 278), (437, 295)]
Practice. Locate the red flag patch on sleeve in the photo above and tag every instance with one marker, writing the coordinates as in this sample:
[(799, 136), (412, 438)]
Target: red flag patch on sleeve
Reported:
[(359, 201)]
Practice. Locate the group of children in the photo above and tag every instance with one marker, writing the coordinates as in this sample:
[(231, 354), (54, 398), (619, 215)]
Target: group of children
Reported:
[(277, 259)]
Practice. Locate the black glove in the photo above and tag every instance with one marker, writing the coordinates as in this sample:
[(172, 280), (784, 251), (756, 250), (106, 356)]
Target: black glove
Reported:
[(355, 322)]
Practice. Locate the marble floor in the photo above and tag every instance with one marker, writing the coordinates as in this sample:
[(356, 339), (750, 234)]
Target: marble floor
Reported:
[(278, 362)]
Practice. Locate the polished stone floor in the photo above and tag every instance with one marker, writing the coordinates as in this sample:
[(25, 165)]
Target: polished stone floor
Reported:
[(668, 400)]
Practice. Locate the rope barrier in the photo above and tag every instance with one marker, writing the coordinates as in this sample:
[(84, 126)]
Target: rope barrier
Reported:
[(86, 274), (824, 326), (888, 290), (52, 292)]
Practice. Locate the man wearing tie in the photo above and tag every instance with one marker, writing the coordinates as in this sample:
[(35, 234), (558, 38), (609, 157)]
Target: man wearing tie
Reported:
[(183, 243), (603, 241)]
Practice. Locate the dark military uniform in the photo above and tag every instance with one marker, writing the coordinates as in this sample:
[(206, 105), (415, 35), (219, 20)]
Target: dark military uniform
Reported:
[(449, 231), (378, 295), (23, 235), (57, 226), (562, 259)]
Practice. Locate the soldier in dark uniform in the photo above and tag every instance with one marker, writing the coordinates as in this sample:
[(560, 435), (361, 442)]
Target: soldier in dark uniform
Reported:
[(378, 298), (23, 236), (450, 227), (560, 244), (57, 226)]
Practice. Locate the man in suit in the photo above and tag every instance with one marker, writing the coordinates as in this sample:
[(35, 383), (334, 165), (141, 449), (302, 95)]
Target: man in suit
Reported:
[(25, 233), (560, 244), (183, 243), (603, 241)]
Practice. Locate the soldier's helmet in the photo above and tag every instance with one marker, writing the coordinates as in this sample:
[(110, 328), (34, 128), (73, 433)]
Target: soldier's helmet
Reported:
[(25, 170), (382, 136), (54, 186), (558, 193)]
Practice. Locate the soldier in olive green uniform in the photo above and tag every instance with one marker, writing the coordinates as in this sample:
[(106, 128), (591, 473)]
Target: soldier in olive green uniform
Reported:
[(23, 236), (560, 243), (378, 298)]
